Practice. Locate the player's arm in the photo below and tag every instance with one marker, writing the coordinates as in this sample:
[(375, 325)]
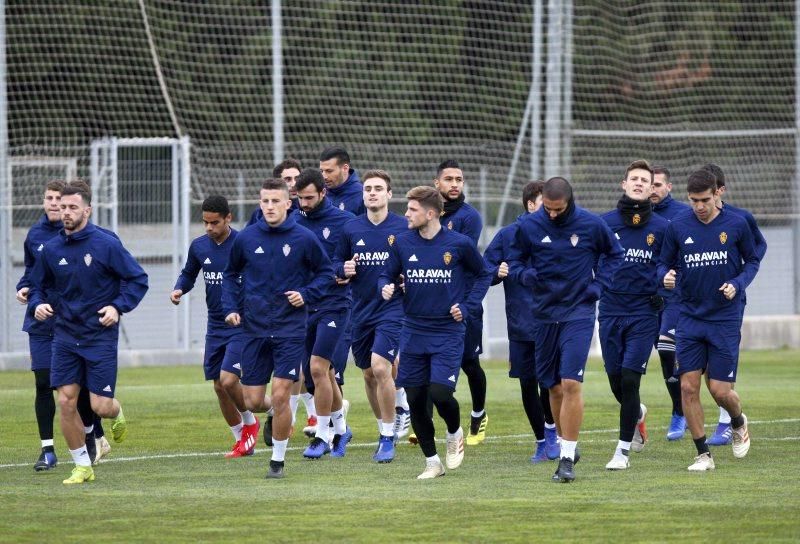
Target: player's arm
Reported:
[(665, 271), (472, 226), (390, 273), (474, 263), (317, 260), (187, 277), (41, 281), (341, 254), (24, 283), (519, 255), (747, 249), (232, 283), (611, 257), (759, 242), (134, 282), (494, 257)]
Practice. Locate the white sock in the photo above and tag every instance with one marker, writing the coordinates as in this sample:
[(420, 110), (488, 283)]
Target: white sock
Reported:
[(724, 416), (339, 424), (433, 459), (279, 449), (237, 431), (81, 457), (387, 429), (623, 447), (380, 423), (400, 399), (308, 401), (294, 402), (90, 428), (459, 432), (549, 425), (247, 417), (568, 448), (322, 427), (477, 414), (48, 442)]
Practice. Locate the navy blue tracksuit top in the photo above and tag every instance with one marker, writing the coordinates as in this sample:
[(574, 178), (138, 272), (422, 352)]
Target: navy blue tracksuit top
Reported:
[(705, 257), (38, 235), (436, 273), (349, 196), (79, 273), (563, 273), (272, 261)]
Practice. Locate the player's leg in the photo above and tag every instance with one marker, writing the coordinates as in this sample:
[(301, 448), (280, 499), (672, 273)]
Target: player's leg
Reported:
[(444, 373), (668, 321), (521, 366), (87, 418), (402, 413), (382, 353), (723, 359), (692, 354), (612, 346), (342, 435), (476, 377), (44, 403)]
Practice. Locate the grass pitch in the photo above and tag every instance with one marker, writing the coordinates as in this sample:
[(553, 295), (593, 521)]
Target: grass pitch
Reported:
[(169, 481)]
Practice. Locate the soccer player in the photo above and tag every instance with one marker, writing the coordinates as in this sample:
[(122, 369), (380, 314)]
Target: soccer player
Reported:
[(223, 349), (437, 264), (628, 310), (520, 333), (461, 217), (327, 344), (669, 208), (556, 254), (361, 256), (723, 435), (717, 262), (341, 180), (274, 318), (287, 170), (84, 280)]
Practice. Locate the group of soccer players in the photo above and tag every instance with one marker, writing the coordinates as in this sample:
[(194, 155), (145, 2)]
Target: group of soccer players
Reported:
[(324, 267)]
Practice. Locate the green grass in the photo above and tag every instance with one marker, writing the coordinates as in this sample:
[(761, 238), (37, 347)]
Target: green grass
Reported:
[(169, 482)]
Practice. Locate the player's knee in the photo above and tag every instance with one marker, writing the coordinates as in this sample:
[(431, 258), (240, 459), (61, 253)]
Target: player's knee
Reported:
[(103, 406), (570, 387), (219, 388), (440, 393), (719, 390), (471, 365), (228, 381), (417, 396), (630, 381), (42, 381), (690, 389)]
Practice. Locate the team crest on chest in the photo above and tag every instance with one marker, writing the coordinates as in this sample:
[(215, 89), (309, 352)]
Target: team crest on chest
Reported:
[(88, 259), (636, 219), (723, 237), (650, 239), (391, 239), (286, 249), (574, 240), (341, 207), (450, 225), (447, 257), (326, 232)]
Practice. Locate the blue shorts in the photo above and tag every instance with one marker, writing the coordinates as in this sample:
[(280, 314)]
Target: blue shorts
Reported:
[(712, 347), (222, 353), (668, 319), (41, 349), (265, 357), (521, 358), (427, 359), (326, 337), (382, 340), (94, 367), (473, 337), (627, 342), (562, 350)]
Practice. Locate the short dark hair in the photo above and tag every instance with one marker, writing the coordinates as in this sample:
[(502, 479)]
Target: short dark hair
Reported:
[(55, 185), (216, 204), (335, 152), (701, 181), (658, 169), (310, 176), (382, 174), (639, 164), (557, 188), (272, 184), (531, 190), (285, 165), (715, 171), (445, 164), (78, 187), (428, 197)]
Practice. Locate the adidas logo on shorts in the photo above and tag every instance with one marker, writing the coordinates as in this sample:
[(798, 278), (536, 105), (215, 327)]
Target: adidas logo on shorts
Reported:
[(107, 389)]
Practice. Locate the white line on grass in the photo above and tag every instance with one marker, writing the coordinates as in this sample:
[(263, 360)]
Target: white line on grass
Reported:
[(500, 438)]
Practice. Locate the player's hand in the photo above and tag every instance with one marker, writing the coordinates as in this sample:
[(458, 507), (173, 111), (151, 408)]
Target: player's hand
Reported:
[(340, 281), (401, 282), (233, 319), (669, 280), (350, 267), (455, 311), (295, 298), (502, 270), (175, 296), (729, 290), (22, 295), (388, 291), (108, 316), (43, 312)]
